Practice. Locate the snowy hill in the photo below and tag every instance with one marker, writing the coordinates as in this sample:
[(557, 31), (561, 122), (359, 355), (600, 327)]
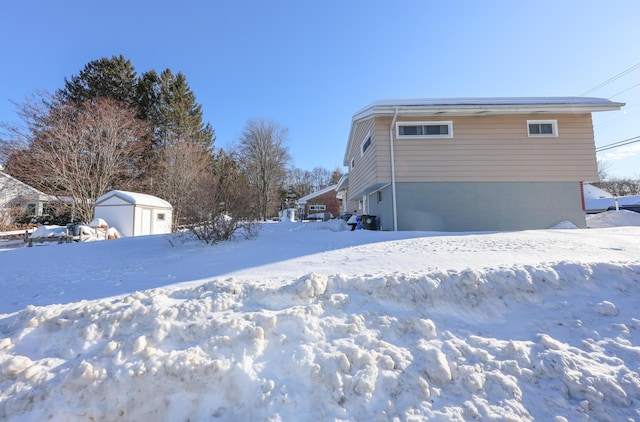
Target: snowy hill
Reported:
[(313, 322)]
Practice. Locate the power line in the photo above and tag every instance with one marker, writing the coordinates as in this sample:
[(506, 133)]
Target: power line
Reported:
[(608, 81), (628, 89), (619, 144)]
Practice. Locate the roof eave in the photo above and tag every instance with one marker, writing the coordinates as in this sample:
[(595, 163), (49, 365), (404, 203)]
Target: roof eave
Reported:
[(473, 110)]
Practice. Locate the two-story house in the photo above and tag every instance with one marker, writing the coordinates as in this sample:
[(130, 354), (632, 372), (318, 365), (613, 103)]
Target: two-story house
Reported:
[(473, 164)]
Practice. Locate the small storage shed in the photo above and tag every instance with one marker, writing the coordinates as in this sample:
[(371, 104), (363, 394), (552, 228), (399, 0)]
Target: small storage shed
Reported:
[(134, 214)]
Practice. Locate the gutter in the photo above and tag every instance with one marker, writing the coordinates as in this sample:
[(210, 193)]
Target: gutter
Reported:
[(491, 106), (393, 172)]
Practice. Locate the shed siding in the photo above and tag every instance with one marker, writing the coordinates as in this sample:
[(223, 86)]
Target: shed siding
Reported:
[(119, 216)]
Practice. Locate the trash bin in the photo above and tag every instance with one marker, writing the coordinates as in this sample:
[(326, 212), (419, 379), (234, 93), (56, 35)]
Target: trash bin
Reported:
[(369, 222), (73, 229)]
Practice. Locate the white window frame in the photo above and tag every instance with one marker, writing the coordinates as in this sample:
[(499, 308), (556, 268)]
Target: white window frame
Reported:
[(448, 123), (364, 141), (554, 128), (317, 207)]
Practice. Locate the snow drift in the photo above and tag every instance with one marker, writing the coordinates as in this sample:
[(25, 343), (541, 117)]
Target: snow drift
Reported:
[(556, 340)]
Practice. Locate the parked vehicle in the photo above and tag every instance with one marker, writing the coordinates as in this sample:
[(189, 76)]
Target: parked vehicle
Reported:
[(345, 215), (635, 208), (320, 216)]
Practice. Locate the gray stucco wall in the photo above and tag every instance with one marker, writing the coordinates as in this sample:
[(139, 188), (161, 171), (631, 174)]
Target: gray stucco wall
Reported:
[(382, 207), (476, 206)]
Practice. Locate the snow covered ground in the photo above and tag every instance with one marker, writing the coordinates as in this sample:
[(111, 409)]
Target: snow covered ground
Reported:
[(311, 321)]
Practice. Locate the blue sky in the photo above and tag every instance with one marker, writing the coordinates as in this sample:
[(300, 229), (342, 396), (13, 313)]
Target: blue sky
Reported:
[(311, 65)]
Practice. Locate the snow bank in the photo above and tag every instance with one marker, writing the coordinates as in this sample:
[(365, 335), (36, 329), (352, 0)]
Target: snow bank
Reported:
[(564, 225), (613, 219), (98, 222), (49, 231), (518, 343), (310, 321)]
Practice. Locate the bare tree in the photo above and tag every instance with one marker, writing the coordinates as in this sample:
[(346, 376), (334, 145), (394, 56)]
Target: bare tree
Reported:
[(79, 151), (179, 168), (616, 185), (620, 186), (603, 169), (299, 181), (9, 214), (218, 204), (263, 156), (336, 175), (321, 178)]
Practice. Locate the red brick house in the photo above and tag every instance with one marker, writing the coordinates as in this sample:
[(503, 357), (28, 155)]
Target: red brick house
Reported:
[(321, 205)]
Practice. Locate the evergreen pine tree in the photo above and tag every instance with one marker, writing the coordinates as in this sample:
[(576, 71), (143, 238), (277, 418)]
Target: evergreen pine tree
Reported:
[(113, 78), (179, 116)]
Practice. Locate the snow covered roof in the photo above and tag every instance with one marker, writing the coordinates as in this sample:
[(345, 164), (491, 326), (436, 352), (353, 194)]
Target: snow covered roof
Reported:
[(495, 105), (12, 186), (135, 199), (304, 199), (598, 200), (342, 185), (593, 192)]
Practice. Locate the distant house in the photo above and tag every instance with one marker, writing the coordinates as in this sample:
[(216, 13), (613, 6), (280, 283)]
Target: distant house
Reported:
[(472, 164), (15, 194), (597, 200), (134, 214), (321, 205)]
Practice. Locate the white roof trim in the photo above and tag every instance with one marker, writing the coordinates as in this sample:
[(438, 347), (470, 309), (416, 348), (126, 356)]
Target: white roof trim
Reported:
[(304, 199), (343, 182), (135, 199), (498, 105)]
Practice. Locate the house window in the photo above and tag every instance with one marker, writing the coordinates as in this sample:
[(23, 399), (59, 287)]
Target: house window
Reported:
[(353, 163), (365, 145), (317, 207), (160, 216), (542, 127), (379, 196), (425, 130)]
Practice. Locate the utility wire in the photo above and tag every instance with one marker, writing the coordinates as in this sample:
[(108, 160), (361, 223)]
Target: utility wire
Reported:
[(608, 81), (630, 88), (619, 144)]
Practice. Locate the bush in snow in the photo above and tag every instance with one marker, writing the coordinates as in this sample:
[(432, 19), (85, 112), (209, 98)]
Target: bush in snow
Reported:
[(218, 205)]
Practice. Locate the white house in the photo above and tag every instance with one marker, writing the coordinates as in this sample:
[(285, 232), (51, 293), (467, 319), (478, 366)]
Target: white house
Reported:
[(597, 200), (14, 193), (134, 214)]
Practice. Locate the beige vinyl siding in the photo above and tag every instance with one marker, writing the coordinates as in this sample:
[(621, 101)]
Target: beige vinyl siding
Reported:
[(493, 148), (363, 173), (384, 151)]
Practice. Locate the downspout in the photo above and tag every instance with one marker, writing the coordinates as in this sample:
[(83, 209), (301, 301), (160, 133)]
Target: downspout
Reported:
[(393, 172)]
